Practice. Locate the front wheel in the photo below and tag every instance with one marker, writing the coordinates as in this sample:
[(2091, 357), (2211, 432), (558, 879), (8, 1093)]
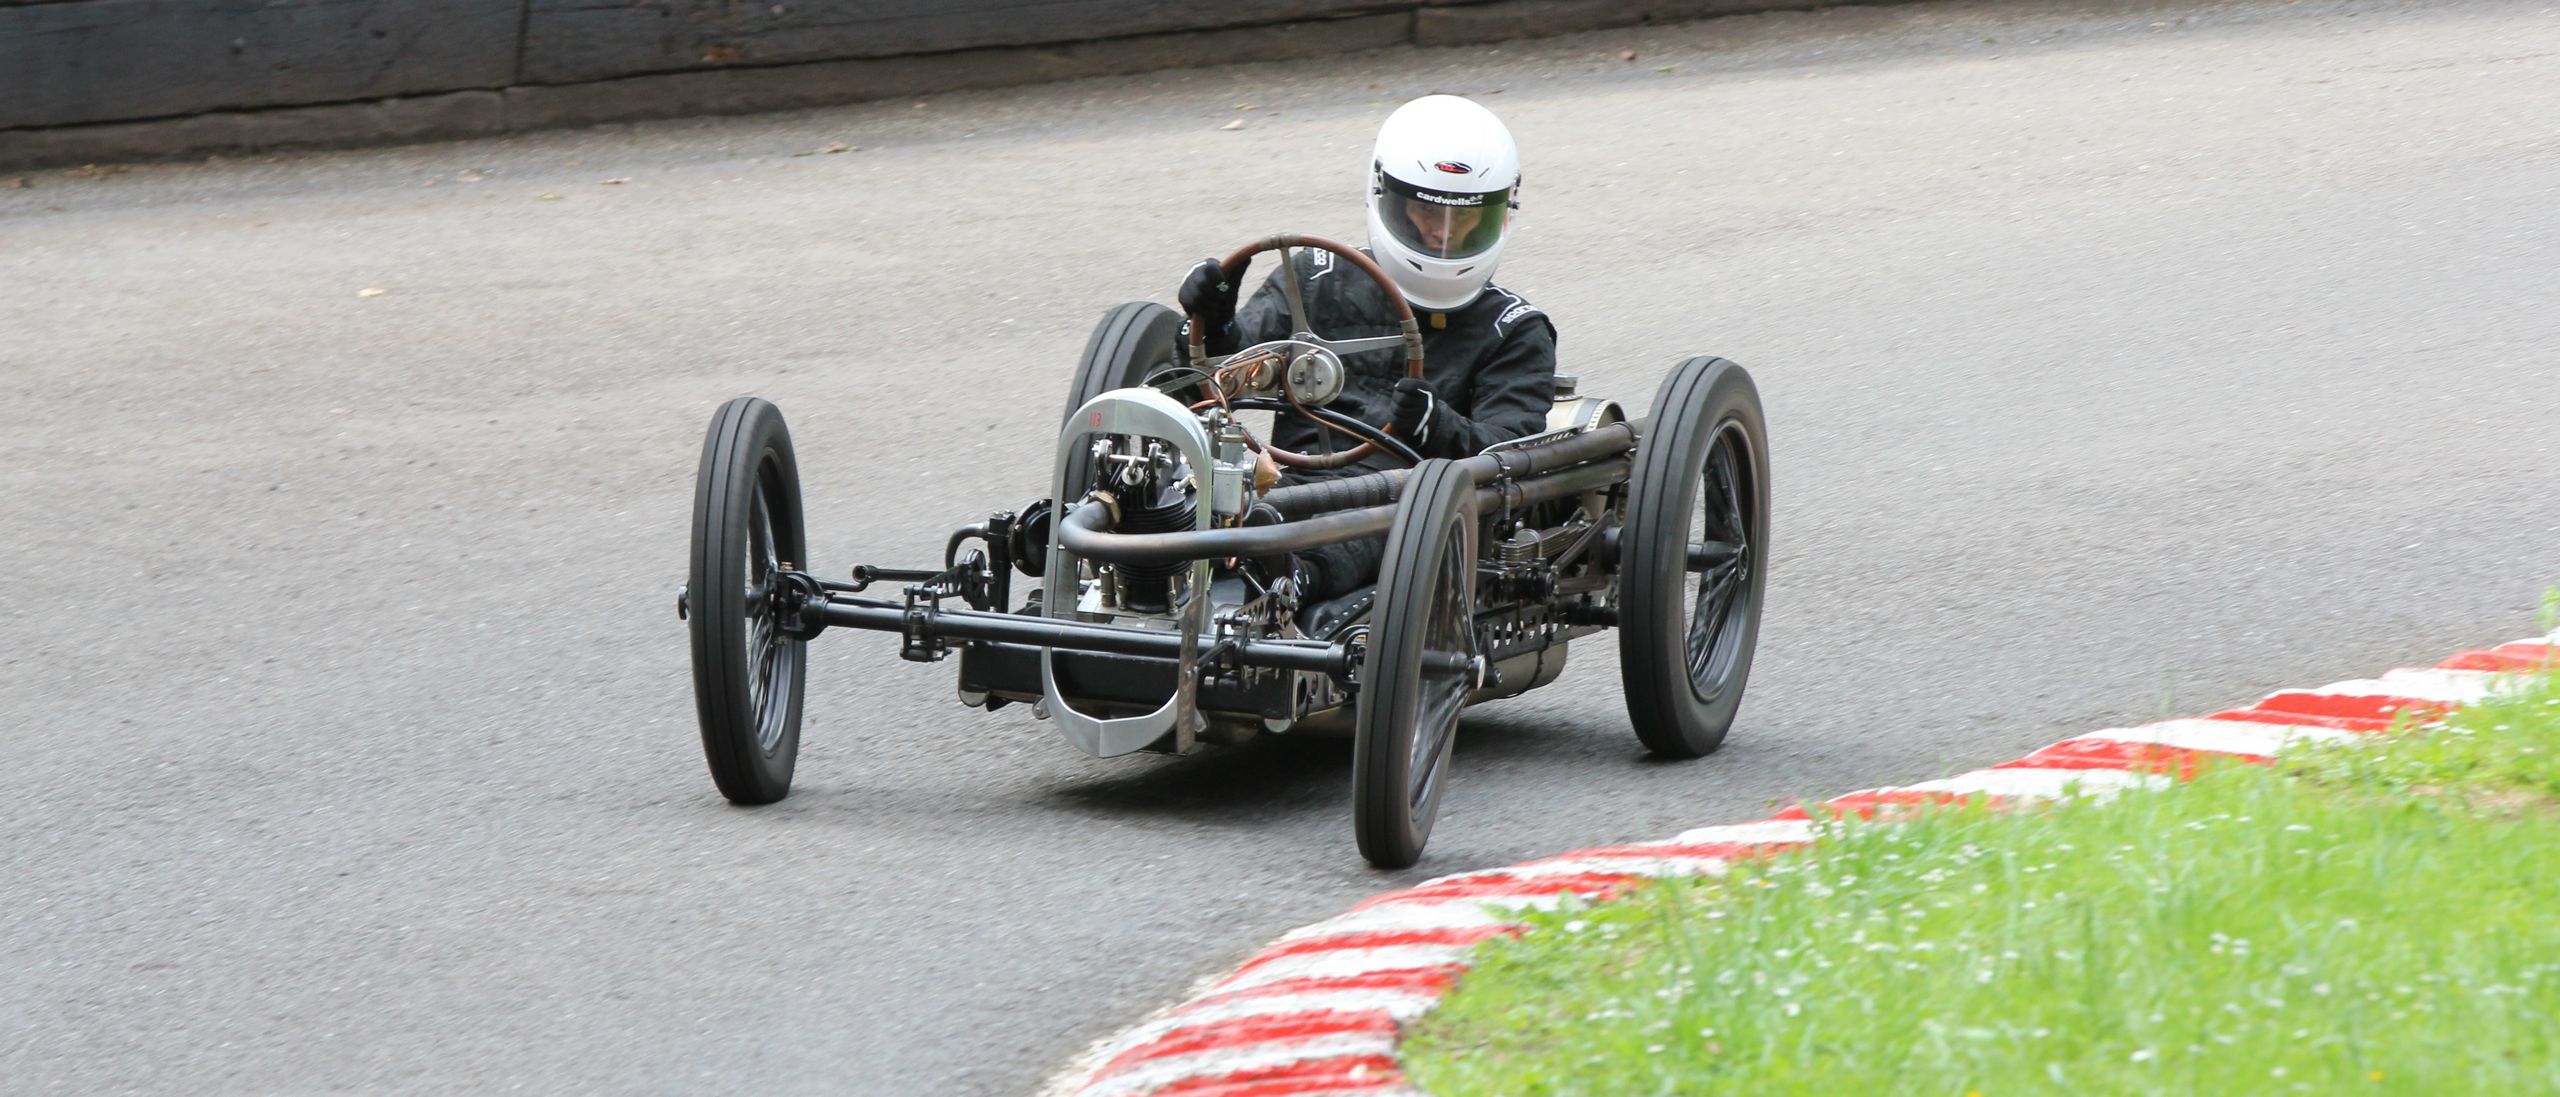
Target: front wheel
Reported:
[(1419, 668), (1693, 558), (748, 676), (1131, 340)]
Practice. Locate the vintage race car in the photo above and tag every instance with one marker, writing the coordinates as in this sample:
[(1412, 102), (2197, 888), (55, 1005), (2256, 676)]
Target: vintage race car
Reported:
[(1164, 618)]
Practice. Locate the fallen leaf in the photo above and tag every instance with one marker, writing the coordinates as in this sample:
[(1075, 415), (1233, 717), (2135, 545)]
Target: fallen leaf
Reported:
[(1235, 125), (95, 171), (548, 196), (1373, 85), (19, 183), (722, 53), (836, 146), (470, 177), (1493, 91), (1667, 68), (373, 291), (615, 181), (1626, 55), (1248, 106)]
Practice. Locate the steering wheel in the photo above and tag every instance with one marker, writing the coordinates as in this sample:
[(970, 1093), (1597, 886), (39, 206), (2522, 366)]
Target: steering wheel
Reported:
[(1304, 331)]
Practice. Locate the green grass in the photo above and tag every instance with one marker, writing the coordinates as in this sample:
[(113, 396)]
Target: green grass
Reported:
[(2377, 919)]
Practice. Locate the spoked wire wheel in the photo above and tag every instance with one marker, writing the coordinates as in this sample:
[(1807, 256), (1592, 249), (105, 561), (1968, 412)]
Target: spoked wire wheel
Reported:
[(1693, 558), (748, 677), (1420, 665)]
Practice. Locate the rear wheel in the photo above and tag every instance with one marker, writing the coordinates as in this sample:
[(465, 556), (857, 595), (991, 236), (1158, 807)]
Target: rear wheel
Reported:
[(748, 677), (1419, 668), (1131, 341), (1693, 558)]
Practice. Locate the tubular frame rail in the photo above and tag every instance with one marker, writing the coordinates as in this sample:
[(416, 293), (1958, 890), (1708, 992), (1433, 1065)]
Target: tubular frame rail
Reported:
[(1318, 514)]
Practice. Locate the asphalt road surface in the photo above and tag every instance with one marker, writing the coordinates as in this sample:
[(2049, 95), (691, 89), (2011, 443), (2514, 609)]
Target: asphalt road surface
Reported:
[(2122, 361)]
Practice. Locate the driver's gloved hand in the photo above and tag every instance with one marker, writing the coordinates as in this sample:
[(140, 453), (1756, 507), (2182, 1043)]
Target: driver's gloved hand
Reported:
[(1210, 296), (1418, 414)]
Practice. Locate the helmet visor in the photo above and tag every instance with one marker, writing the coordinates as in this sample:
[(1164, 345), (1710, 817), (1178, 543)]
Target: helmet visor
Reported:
[(1442, 224)]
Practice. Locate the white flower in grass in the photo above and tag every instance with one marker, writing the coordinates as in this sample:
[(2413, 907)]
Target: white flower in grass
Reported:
[(2144, 1055), (2275, 1072), (1793, 1009)]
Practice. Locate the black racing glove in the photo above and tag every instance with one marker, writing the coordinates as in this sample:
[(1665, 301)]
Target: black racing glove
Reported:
[(1418, 410), (1209, 294)]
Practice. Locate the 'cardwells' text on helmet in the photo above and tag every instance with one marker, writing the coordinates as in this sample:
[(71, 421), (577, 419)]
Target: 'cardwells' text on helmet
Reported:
[(1443, 180)]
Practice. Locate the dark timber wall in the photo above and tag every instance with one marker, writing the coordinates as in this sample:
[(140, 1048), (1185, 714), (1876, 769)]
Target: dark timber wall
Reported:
[(108, 79)]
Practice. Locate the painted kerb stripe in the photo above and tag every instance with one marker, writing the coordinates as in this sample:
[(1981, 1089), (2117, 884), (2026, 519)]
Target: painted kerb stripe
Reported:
[(1318, 1012)]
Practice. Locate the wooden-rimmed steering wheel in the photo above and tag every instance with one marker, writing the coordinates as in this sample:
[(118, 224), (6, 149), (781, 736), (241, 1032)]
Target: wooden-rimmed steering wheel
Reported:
[(1303, 329)]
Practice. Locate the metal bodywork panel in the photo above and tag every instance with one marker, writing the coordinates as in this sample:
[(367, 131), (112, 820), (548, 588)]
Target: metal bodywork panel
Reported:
[(1143, 412)]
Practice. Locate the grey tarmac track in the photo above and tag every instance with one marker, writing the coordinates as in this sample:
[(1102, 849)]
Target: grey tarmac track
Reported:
[(2122, 360)]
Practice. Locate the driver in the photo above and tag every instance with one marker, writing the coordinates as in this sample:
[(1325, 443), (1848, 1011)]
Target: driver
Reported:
[(1444, 179)]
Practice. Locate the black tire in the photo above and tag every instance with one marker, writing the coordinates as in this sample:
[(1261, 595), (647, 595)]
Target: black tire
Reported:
[(748, 680), (1417, 673), (1685, 639), (1131, 341)]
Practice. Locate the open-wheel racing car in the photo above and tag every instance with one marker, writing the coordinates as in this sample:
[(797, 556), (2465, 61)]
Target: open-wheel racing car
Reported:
[(1164, 617)]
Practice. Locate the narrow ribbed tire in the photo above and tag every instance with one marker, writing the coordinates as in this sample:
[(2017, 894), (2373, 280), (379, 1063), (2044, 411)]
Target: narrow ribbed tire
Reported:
[(748, 679), (1131, 341), (1419, 667), (1685, 639)]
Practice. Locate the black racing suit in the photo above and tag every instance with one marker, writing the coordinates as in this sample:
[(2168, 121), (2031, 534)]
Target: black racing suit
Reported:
[(1491, 362)]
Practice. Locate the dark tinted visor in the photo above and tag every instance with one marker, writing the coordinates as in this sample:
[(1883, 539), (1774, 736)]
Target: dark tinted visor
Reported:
[(1442, 224)]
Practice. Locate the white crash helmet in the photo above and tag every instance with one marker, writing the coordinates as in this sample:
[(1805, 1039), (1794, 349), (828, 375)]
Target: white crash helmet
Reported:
[(1443, 181)]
